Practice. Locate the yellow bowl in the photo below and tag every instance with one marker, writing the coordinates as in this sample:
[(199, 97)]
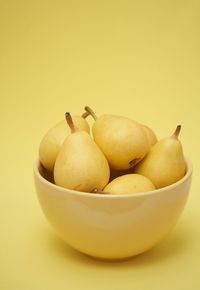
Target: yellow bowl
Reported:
[(112, 226)]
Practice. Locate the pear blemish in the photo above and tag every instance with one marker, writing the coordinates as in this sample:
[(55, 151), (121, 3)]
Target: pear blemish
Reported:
[(122, 156)]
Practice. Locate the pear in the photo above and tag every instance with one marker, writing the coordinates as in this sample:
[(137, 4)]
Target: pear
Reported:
[(122, 140), (54, 138), (129, 183), (152, 139), (165, 163), (80, 164), (151, 136)]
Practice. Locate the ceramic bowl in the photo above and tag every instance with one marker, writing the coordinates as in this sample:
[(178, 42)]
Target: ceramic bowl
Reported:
[(111, 226)]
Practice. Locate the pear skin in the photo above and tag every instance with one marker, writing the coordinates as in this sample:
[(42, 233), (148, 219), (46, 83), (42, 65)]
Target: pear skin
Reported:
[(121, 139), (80, 164), (52, 141), (129, 183), (151, 136), (165, 163)]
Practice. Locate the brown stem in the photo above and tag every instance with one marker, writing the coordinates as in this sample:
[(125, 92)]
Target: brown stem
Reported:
[(97, 190), (177, 131), (134, 162), (91, 112), (85, 114), (70, 122)]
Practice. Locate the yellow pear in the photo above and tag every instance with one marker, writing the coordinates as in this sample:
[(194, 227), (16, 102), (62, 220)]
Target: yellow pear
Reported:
[(151, 136), (152, 139), (164, 164), (54, 138), (129, 183), (122, 140), (80, 164)]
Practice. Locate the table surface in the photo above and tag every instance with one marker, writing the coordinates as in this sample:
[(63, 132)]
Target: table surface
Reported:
[(134, 58)]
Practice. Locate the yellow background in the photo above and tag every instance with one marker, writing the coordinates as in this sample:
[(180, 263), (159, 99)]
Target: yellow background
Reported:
[(134, 58)]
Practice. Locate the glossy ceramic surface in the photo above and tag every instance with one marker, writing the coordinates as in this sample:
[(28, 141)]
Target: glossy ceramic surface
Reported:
[(109, 226)]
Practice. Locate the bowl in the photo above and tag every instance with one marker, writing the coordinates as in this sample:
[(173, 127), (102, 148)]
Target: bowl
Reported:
[(111, 226)]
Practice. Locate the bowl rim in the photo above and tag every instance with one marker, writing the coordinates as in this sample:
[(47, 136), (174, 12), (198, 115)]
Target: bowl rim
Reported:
[(113, 196)]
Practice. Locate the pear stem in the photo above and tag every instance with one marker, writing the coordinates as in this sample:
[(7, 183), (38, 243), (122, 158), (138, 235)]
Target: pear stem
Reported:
[(97, 190), (133, 162), (91, 112), (177, 131), (85, 114), (70, 122)]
